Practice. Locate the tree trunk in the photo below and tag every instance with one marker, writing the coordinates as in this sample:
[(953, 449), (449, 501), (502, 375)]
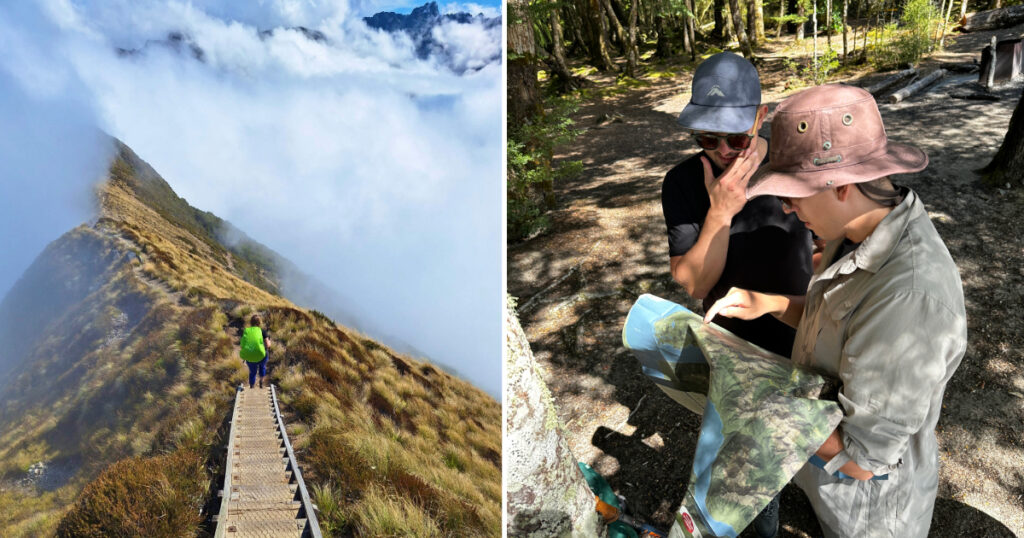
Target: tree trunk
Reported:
[(801, 11), (523, 94), (846, 8), (749, 22), (687, 46), (741, 34), (814, 35), (643, 16), (782, 13), (719, 31), (1007, 167), (828, 23), (963, 9), (992, 20), (690, 24), (632, 56), (759, 20), (620, 32), (995, 4), (664, 47), (599, 38), (942, 38), (560, 68), (575, 23), (730, 28), (546, 494)]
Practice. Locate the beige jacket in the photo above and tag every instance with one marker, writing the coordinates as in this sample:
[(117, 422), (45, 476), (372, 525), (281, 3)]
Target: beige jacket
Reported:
[(888, 320)]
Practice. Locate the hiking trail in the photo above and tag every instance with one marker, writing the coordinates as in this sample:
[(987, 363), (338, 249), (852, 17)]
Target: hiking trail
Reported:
[(264, 494)]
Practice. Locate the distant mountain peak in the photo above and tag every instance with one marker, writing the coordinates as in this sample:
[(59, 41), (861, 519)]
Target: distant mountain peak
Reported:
[(419, 25)]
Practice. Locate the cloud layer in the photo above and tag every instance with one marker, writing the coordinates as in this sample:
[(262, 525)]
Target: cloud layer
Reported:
[(375, 171)]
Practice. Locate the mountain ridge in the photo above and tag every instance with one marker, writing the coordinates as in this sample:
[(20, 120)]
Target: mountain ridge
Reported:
[(129, 327)]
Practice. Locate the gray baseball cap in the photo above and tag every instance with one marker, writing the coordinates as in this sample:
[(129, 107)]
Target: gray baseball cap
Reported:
[(726, 93)]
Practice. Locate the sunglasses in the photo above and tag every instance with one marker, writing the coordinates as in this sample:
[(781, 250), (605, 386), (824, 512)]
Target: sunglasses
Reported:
[(736, 141)]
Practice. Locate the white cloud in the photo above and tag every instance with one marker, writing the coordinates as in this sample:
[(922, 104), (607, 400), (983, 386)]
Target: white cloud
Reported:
[(471, 8), (377, 172), (471, 46)]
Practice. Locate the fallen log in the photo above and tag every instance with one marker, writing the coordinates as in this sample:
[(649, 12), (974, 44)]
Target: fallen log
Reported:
[(891, 81), (994, 19), (917, 86), (962, 67), (974, 96)]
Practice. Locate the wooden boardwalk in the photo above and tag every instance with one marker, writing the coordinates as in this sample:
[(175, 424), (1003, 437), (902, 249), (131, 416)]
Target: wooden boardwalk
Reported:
[(263, 491)]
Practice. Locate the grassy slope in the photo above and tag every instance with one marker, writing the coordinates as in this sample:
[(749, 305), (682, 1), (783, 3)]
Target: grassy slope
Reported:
[(140, 370)]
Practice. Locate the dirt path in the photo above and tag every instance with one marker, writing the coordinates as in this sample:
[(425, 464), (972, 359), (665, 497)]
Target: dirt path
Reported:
[(608, 245)]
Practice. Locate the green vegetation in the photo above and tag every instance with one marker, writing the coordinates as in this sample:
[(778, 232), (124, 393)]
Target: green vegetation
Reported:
[(905, 44), (531, 172)]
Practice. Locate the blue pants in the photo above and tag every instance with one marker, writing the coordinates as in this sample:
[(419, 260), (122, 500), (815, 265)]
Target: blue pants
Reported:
[(254, 367)]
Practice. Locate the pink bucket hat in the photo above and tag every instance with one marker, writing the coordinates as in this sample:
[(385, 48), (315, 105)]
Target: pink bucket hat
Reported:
[(829, 136)]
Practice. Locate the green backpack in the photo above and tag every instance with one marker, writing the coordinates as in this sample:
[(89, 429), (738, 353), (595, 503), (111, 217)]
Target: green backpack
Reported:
[(252, 345)]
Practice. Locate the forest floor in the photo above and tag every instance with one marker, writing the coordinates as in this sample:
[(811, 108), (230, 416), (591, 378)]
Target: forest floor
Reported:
[(607, 245)]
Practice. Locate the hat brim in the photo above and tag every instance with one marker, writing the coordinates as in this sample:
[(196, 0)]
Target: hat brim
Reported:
[(718, 119), (898, 159)]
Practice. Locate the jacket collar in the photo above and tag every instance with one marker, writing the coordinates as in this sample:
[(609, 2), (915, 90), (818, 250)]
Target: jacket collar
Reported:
[(878, 247)]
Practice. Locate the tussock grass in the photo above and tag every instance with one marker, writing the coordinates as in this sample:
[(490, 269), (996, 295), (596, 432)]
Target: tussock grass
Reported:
[(136, 379), (398, 456), (157, 496)]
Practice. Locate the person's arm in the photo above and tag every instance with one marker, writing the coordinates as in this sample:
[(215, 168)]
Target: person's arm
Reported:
[(895, 361), (746, 304), (699, 269)]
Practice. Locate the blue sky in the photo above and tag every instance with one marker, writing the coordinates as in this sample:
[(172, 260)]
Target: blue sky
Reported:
[(375, 171)]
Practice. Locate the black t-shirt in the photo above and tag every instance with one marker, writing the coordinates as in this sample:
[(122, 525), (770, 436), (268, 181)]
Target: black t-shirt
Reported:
[(769, 251)]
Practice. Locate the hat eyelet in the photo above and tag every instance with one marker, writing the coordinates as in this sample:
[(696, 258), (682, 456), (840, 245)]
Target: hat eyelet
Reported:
[(847, 119), (802, 127), (827, 145)]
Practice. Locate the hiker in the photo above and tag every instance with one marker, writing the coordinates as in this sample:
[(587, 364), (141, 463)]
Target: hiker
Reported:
[(883, 313), (717, 238), (254, 350)]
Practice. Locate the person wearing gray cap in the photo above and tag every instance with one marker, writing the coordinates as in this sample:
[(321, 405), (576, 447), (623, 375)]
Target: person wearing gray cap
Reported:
[(884, 312), (718, 239)]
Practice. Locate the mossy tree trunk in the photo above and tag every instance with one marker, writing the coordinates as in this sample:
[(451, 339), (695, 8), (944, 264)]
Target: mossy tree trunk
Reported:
[(1007, 167), (599, 42), (547, 494), (632, 51), (691, 22), (523, 94), (741, 34), (559, 66)]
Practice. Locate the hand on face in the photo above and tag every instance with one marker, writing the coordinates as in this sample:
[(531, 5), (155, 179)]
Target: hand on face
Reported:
[(728, 192)]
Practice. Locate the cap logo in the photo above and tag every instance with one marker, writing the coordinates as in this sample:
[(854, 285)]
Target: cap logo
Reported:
[(715, 90), (830, 160)]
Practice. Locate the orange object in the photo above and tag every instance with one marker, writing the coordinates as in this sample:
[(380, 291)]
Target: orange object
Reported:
[(608, 512)]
